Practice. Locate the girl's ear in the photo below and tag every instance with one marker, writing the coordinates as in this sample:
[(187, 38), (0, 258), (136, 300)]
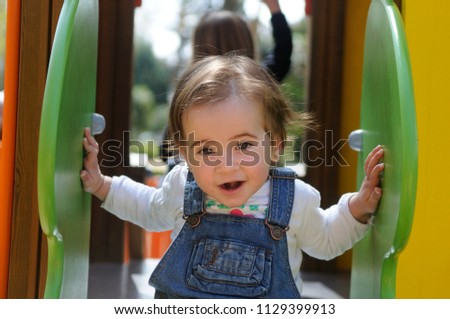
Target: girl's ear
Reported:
[(183, 154), (276, 150)]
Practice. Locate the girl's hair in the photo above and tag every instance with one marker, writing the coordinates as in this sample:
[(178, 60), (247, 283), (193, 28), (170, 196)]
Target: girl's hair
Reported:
[(216, 78), (220, 32)]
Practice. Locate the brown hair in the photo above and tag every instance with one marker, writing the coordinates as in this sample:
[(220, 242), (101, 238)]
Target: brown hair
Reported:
[(214, 79), (220, 32)]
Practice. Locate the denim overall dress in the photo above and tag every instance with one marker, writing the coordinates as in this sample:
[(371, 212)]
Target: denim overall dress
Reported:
[(227, 256)]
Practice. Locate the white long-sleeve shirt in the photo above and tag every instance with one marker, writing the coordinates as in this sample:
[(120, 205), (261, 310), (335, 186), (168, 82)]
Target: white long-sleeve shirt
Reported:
[(321, 233)]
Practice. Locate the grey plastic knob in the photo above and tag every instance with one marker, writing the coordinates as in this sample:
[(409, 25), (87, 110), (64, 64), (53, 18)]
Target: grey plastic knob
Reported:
[(355, 140), (98, 124)]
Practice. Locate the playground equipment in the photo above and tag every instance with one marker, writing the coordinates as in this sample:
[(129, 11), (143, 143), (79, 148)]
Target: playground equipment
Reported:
[(69, 102), (387, 118)]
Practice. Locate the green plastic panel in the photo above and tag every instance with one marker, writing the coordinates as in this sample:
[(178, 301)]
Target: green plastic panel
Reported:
[(387, 118), (69, 101)]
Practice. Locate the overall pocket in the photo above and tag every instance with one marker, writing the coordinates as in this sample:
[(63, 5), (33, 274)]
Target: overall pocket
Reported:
[(229, 268)]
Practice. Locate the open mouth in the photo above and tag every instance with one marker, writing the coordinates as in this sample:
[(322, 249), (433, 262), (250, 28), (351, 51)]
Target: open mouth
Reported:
[(231, 186)]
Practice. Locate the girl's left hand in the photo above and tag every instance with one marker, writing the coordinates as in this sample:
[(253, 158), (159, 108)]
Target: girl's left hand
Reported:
[(364, 203)]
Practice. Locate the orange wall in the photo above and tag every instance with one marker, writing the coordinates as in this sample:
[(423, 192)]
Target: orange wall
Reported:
[(9, 137)]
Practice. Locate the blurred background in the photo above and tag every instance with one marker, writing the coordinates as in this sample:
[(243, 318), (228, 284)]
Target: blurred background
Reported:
[(162, 47)]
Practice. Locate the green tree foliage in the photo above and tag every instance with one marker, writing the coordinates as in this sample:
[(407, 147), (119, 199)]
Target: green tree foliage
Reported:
[(150, 71), (143, 107), (146, 115), (233, 5), (152, 80), (294, 84)]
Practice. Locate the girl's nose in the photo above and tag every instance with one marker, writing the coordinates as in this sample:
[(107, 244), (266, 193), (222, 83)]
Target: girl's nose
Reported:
[(227, 162)]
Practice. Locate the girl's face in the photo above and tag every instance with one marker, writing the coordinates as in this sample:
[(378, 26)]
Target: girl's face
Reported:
[(228, 149)]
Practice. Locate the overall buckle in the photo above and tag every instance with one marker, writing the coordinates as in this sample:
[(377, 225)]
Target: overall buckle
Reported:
[(276, 231)]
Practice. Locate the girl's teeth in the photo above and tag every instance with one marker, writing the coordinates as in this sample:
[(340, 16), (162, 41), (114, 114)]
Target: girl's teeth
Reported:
[(232, 185)]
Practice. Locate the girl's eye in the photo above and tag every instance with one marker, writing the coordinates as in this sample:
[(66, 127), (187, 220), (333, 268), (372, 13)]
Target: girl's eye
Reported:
[(243, 145), (206, 151)]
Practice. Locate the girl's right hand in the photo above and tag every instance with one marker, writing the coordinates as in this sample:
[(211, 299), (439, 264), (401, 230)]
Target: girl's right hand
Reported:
[(93, 180)]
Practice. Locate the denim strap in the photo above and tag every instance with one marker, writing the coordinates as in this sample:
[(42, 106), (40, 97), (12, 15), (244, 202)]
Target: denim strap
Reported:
[(282, 196), (193, 197)]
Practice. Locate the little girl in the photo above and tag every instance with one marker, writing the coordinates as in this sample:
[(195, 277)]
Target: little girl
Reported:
[(239, 223)]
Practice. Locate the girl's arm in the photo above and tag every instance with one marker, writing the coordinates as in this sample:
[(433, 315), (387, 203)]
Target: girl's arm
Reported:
[(151, 208), (273, 6), (278, 60)]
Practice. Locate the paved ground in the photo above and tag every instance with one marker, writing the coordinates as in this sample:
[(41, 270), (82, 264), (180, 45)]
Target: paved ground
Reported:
[(115, 280)]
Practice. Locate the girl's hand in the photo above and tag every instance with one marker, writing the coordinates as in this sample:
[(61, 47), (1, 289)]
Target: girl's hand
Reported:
[(273, 6), (364, 203), (93, 180)]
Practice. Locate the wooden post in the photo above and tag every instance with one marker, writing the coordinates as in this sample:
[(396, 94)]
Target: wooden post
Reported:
[(114, 82)]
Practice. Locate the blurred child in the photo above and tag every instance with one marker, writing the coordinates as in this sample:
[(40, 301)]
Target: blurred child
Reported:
[(221, 32)]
